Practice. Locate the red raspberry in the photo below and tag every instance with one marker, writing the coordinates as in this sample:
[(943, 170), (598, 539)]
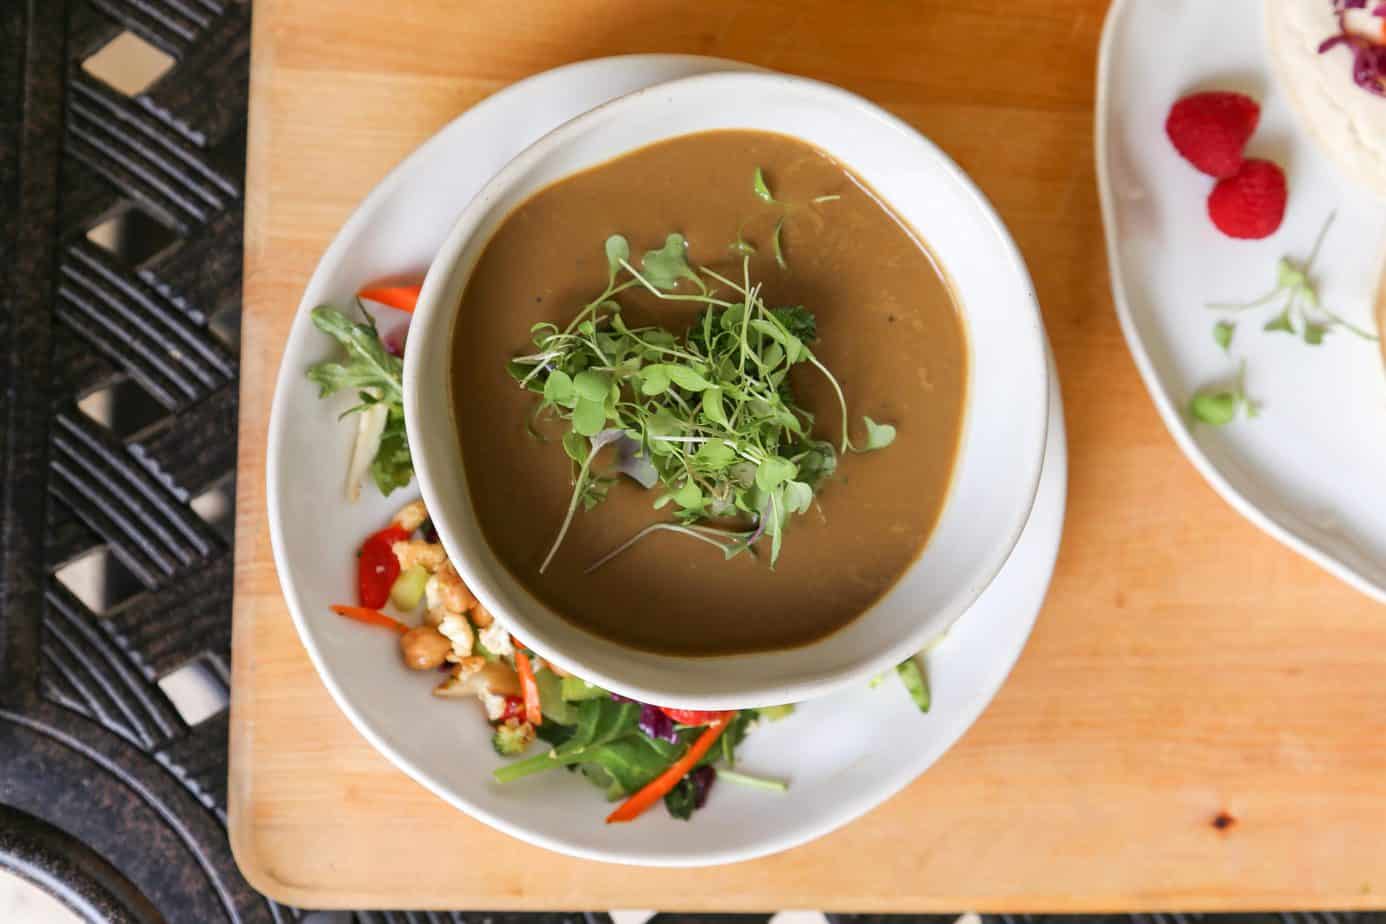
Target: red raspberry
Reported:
[(1251, 204), (1211, 130)]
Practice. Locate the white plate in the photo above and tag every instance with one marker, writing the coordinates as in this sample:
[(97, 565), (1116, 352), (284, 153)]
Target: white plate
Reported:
[(1309, 470), (842, 755)]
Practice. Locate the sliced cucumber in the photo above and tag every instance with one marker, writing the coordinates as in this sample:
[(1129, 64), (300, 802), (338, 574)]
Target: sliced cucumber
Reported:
[(408, 588)]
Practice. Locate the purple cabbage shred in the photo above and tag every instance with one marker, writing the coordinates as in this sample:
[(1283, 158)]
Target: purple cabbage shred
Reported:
[(1369, 58), (1369, 69), (702, 778), (656, 724)]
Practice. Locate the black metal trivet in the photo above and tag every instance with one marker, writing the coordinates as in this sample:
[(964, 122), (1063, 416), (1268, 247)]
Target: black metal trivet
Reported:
[(120, 248)]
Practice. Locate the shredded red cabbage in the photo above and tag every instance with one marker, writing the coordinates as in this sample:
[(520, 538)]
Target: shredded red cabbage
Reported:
[(1368, 57), (702, 778), (656, 724)]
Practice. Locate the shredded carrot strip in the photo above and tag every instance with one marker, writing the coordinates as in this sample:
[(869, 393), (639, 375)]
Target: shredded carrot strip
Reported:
[(370, 617), (402, 297), (660, 786), (529, 687)]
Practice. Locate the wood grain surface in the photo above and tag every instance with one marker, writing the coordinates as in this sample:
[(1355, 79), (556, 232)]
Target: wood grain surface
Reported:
[(1199, 720)]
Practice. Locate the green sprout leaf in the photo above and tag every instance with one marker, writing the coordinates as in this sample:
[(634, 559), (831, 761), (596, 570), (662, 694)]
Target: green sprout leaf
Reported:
[(1300, 310), (760, 187), (714, 455), (559, 389), (617, 252), (710, 416), (777, 247), (742, 247), (654, 380), (575, 445), (1218, 407), (713, 409), (773, 472), (878, 436), (798, 496), (916, 683), (663, 268), (589, 416), (378, 379), (1222, 334), (688, 378), (592, 385), (690, 496), (1215, 408), (1281, 322)]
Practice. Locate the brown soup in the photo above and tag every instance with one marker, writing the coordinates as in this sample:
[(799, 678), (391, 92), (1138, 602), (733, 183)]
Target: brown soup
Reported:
[(887, 327)]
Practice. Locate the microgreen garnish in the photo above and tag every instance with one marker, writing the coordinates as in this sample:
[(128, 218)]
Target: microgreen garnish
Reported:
[(759, 186), (1220, 406), (377, 377), (1301, 312), (742, 247), (1222, 334), (710, 415), (762, 192), (916, 682)]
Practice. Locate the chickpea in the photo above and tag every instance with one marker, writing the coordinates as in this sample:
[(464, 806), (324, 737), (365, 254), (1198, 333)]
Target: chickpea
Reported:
[(481, 616), (424, 648)]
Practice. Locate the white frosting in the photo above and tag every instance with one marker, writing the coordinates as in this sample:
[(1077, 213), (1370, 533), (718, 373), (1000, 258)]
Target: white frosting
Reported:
[(1346, 120)]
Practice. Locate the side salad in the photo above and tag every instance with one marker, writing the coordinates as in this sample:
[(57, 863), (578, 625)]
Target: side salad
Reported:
[(636, 754)]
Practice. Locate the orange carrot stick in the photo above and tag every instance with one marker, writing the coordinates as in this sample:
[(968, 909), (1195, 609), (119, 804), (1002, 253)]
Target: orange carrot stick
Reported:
[(660, 786), (529, 688), (402, 297), (370, 617)]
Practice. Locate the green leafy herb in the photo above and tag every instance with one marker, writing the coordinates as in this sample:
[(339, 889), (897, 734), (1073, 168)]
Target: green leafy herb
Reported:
[(1222, 334), (775, 713), (1220, 406), (760, 187), (682, 800), (709, 416), (777, 247), (663, 268), (742, 247), (916, 682), (878, 436), (378, 379), (1281, 322), (1301, 311), (367, 364)]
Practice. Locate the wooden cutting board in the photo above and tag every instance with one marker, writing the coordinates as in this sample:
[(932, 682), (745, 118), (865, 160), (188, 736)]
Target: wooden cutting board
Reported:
[(1199, 720)]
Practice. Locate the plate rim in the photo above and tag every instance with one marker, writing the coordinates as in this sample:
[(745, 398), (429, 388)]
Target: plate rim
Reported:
[(1171, 416), (848, 809)]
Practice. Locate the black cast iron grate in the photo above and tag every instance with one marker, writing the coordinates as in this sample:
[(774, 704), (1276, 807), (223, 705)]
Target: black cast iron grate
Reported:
[(120, 245)]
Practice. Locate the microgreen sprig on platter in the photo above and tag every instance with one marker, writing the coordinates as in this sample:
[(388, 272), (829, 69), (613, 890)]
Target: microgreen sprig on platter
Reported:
[(1301, 311), (710, 415)]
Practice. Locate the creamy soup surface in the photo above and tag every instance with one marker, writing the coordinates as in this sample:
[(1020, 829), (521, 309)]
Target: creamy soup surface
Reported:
[(888, 329)]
